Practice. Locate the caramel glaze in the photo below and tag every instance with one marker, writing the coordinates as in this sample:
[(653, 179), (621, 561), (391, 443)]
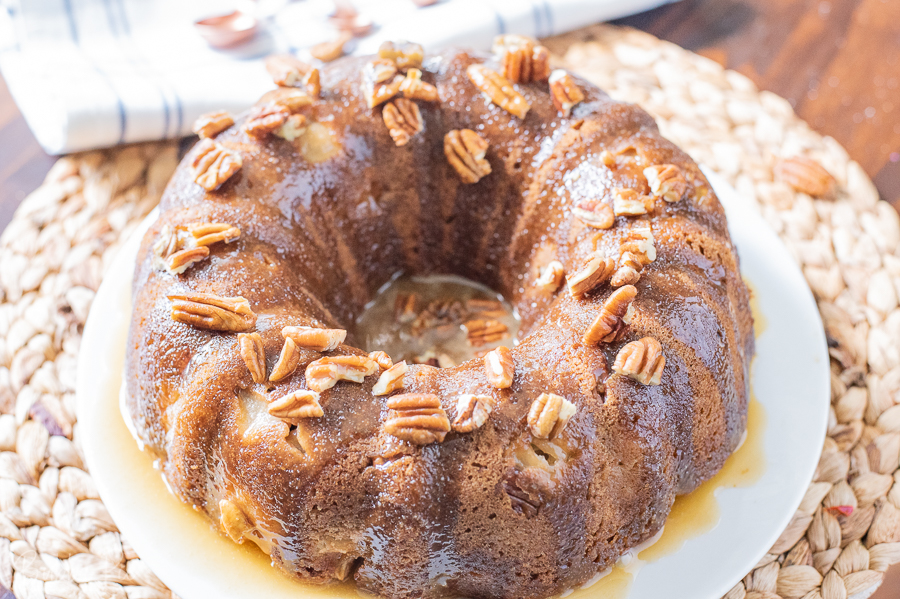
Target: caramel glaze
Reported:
[(324, 224)]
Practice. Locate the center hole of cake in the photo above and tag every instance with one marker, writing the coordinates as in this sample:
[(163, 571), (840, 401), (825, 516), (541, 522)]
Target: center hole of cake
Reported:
[(440, 320)]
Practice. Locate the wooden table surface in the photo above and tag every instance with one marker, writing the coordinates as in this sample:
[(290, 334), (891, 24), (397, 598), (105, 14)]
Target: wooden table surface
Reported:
[(836, 61)]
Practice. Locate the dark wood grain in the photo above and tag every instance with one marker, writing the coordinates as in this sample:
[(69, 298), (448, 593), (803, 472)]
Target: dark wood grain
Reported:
[(836, 61)]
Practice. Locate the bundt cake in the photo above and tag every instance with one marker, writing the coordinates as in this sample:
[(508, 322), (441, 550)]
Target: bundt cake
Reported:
[(521, 473)]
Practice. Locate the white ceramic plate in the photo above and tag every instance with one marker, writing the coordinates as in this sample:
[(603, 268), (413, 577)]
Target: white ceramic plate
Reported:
[(790, 380)]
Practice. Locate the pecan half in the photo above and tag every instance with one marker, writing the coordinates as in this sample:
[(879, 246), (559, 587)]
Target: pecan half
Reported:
[(641, 360), (498, 90), (206, 234), (265, 119), (313, 338), (594, 213), (299, 404), (551, 276), (641, 244), (481, 332), (521, 60), (472, 412), (417, 418), (465, 151), (287, 363), (806, 176), (499, 367), (548, 415), (390, 380), (331, 50), (405, 55), (485, 308), (628, 202), (527, 490), (611, 321), (288, 71), (564, 92), (292, 128), (666, 181), (403, 120), (415, 89), (208, 311), (214, 164), (291, 99), (181, 260), (254, 355), (380, 81), (382, 359), (595, 271), (212, 123), (324, 373), (233, 520), (629, 271), (178, 248)]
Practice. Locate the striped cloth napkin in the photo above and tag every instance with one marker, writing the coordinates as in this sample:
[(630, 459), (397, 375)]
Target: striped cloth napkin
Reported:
[(95, 73)]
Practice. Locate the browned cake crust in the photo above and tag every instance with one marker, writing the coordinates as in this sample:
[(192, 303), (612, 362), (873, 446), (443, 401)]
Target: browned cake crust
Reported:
[(327, 219)]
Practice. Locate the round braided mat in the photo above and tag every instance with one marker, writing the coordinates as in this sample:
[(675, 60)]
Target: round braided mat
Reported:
[(57, 539)]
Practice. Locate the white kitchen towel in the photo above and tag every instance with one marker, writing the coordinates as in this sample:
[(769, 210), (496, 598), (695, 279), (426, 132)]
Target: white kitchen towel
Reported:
[(95, 73)]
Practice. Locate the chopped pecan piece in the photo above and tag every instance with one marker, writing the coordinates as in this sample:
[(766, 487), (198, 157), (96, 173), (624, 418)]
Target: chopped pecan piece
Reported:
[(548, 415), (288, 71), (521, 60), (415, 89), (807, 176), (594, 213), (254, 355), (611, 321), (287, 363), (403, 120), (315, 339), (380, 81), (382, 359), (212, 123), (527, 490), (233, 520), (331, 50), (595, 271), (472, 412), (465, 151), (324, 373), (498, 90), (641, 360), (405, 307), (208, 311), (206, 234), (405, 55), (214, 164), (499, 367), (628, 202), (390, 380), (551, 276), (299, 404), (481, 332), (666, 181), (417, 418), (564, 91), (265, 119)]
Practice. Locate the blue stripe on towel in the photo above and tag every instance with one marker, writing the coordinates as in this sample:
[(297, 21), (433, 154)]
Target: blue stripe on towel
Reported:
[(70, 16)]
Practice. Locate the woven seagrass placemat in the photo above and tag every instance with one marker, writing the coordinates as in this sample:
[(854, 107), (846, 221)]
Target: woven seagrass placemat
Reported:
[(57, 539)]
